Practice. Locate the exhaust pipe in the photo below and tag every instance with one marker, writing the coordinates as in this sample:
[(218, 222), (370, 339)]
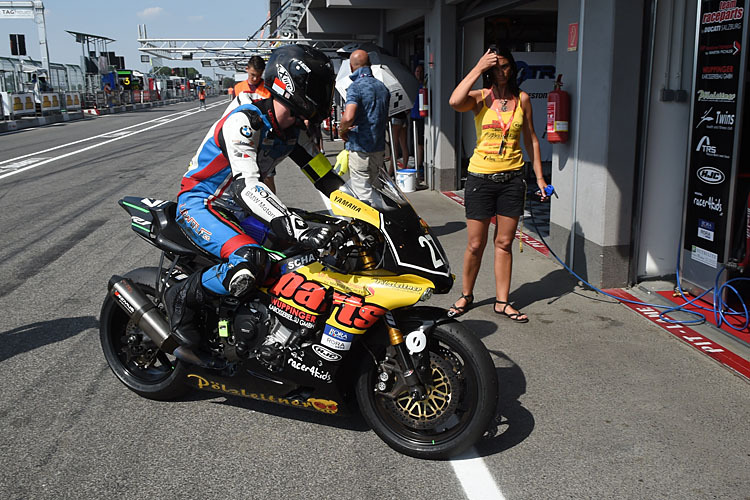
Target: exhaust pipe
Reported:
[(143, 312)]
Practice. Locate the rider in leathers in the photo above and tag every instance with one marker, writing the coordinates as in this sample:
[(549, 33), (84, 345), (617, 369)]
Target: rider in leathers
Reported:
[(240, 150)]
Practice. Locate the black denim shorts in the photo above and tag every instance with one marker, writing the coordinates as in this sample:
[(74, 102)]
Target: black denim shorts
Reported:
[(484, 198)]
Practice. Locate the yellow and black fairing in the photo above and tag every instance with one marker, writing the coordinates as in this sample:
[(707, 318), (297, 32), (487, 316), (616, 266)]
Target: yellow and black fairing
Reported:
[(410, 247)]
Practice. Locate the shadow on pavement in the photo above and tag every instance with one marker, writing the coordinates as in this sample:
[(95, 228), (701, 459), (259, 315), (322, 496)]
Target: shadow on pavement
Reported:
[(551, 286), (29, 337), (351, 422), (448, 228), (513, 423)]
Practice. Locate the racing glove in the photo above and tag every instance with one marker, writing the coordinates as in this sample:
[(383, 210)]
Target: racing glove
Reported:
[(320, 237)]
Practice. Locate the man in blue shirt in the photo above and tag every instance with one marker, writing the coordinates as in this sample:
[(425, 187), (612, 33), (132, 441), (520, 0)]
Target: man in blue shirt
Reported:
[(363, 125)]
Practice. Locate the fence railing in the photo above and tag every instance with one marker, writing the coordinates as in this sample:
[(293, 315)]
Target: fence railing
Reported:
[(25, 104)]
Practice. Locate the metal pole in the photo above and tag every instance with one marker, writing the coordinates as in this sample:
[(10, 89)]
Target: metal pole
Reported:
[(393, 147), (414, 130), (42, 29)]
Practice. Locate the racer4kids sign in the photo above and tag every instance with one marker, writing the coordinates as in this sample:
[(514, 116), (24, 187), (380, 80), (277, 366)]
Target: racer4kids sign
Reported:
[(712, 155)]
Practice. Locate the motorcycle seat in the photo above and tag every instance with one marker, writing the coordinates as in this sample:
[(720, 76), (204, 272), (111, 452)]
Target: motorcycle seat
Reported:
[(169, 234)]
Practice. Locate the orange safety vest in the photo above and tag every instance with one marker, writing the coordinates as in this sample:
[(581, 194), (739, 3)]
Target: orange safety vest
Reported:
[(261, 92)]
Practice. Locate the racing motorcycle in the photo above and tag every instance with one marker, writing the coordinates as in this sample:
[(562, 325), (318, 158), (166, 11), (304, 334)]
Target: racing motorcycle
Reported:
[(328, 332)]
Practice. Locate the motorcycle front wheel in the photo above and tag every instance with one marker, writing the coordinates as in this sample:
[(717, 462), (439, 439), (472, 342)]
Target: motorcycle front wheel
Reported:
[(459, 408), (132, 355)]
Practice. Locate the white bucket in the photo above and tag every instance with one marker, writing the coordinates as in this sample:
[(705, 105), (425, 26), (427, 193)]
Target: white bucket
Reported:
[(407, 180)]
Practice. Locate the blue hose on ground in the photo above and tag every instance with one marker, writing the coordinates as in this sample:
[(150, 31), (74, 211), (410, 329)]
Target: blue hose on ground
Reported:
[(720, 308)]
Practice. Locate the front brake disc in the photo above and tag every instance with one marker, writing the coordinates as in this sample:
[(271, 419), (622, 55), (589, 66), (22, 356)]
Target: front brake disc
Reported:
[(443, 395)]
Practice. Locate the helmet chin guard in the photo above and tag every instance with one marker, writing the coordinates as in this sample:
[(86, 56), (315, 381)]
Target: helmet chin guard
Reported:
[(302, 78)]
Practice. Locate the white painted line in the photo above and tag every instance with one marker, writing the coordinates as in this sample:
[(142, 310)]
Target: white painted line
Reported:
[(178, 117), (475, 479), (160, 120), (117, 133), (20, 164)]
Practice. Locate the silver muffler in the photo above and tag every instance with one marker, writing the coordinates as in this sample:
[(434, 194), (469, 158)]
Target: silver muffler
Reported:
[(143, 312)]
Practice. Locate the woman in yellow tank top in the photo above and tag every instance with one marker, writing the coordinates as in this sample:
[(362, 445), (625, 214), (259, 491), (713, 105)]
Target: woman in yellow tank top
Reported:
[(495, 184)]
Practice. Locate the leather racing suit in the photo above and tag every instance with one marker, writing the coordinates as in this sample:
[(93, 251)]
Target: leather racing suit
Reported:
[(237, 152)]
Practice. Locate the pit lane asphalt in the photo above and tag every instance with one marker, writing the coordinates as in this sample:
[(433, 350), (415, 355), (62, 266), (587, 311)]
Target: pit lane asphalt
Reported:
[(596, 402)]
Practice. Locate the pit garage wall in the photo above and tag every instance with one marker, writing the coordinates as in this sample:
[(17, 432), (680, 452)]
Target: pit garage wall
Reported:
[(440, 65), (594, 171), (666, 143)]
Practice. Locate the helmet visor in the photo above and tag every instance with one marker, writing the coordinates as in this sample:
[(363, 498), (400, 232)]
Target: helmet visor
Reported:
[(319, 94)]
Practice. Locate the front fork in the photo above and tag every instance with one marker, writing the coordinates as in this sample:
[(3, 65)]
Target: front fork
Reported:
[(416, 376)]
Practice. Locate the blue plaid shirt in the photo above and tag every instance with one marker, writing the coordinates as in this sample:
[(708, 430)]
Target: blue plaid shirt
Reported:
[(372, 97)]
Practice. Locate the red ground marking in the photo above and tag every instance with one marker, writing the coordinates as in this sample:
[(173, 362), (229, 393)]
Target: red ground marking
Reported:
[(717, 352), (737, 321)]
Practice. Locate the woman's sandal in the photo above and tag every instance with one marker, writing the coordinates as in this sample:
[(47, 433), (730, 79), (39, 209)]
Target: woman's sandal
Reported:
[(513, 316), (456, 311)]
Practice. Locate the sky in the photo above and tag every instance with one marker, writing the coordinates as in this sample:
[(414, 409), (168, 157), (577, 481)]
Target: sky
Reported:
[(119, 20)]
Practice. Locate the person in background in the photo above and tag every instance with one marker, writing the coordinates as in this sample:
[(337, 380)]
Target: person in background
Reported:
[(399, 126), (363, 125), (37, 91), (495, 184), (230, 92), (202, 98), (43, 85), (108, 94), (254, 83), (418, 122)]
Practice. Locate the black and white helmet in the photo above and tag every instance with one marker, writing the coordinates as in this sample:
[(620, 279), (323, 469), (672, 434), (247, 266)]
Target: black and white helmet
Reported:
[(302, 78)]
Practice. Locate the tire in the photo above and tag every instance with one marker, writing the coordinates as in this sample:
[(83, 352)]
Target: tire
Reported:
[(463, 399), (132, 355)]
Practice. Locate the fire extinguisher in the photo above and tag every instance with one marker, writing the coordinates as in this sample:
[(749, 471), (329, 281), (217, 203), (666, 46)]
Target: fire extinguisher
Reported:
[(558, 113), (424, 105)]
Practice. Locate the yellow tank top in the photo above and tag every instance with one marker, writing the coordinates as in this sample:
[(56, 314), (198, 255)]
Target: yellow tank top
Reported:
[(486, 158)]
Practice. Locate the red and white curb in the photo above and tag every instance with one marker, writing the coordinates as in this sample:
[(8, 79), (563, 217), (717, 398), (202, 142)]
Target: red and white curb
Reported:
[(91, 112), (686, 334)]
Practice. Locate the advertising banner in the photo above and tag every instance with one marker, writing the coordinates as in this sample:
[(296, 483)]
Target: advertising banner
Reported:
[(712, 156), (18, 104), (16, 12), (50, 101), (72, 101)]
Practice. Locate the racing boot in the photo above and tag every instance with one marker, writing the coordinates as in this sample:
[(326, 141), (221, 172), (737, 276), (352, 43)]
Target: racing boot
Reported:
[(183, 300)]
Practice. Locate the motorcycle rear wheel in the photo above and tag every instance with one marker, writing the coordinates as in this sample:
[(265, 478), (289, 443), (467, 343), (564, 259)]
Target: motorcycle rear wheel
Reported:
[(132, 355), (462, 399)]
